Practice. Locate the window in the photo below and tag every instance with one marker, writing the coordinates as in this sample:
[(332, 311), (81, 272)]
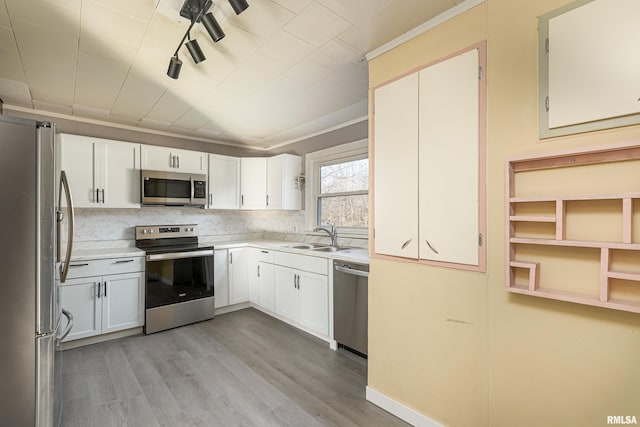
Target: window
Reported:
[(343, 200), (338, 188)]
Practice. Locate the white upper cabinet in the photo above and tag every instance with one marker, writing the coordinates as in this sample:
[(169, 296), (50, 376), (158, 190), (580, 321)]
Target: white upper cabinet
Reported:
[(101, 172), (448, 156), (253, 183), (283, 191), (173, 160), (396, 168), (428, 184), (224, 182)]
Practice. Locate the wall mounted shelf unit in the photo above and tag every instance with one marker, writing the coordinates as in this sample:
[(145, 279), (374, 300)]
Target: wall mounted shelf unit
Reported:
[(568, 243)]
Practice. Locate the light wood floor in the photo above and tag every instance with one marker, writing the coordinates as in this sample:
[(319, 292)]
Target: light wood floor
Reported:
[(239, 369)]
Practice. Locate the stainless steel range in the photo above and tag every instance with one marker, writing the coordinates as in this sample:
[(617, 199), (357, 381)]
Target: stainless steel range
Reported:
[(179, 276)]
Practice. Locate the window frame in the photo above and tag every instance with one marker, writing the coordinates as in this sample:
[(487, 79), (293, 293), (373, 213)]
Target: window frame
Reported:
[(356, 150)]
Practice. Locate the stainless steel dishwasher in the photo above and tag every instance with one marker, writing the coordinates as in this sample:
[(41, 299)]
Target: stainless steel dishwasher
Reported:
[(350, 305)]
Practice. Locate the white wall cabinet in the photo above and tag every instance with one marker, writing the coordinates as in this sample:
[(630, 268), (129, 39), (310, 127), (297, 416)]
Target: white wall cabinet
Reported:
[(173, 160), (221, 277), (427, 174), (283, 191), (253, 183), (238, 275), (101, 172), (103, 297), (224, 182)]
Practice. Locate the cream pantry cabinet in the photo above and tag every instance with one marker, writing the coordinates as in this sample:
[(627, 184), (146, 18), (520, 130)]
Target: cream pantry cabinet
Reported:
[(101, 172), (104, 296), (173, 160), (224, 182), (428, 183)]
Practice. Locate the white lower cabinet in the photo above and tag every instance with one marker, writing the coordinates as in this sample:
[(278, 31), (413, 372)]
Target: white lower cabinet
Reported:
[(238, 275), (267, 286), (107, 302), (221, 277)]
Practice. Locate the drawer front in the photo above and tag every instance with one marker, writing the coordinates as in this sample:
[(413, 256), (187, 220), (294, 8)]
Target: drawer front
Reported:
[(101, 267), (303, 262), (266, 255)]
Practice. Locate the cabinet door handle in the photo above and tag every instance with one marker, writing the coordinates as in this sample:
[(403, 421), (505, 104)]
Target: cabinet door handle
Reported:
[(295, 285), (103, 195), (97, 196), (122, 261), (265, 252), (78, 265), (177, 161), (258, 271), (170, 160), (405, 244), (105, 289), (267, 200), (231, 258), (242, 200), (210, 199), (99, 284), (430, 247)]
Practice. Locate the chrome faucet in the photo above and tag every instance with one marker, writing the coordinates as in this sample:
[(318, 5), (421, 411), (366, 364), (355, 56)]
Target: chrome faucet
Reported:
[(331, 231)]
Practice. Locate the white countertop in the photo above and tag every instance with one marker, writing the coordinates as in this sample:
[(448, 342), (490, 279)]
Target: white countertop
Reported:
[(105, 253), (360, 255)]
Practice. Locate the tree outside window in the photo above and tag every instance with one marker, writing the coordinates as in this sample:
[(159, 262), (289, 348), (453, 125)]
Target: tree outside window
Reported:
[(343, 200)]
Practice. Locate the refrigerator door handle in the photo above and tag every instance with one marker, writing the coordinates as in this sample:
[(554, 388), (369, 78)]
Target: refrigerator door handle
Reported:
[(69, 317), (64, 183)]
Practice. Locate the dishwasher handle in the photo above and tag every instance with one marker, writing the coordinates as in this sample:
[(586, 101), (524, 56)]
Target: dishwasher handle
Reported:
[(347, 270)]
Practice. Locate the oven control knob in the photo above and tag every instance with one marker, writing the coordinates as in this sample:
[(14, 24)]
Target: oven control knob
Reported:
[(150, 231), (192, 229), (144, 231)]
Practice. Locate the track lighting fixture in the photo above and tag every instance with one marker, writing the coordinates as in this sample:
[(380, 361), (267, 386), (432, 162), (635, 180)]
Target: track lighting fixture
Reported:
[(238, 5), (196, 11)]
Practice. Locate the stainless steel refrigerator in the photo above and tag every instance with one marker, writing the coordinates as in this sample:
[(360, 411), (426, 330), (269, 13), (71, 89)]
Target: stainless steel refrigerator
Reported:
[(33, 321)]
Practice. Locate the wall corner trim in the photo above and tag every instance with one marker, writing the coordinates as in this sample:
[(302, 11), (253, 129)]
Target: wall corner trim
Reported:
[(423, 28), (399, 410)]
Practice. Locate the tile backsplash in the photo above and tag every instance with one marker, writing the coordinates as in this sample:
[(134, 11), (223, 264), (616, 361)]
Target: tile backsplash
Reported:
[(100, 228), (117, 225)]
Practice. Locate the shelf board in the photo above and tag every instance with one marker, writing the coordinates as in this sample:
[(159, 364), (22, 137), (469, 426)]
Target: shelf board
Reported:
[(576, 243), (575, 197), (624, 276), (525, 218), (616, 304)]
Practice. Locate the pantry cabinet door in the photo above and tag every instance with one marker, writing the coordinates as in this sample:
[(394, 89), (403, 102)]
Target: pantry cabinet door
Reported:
[(449, 160), (396, 168)]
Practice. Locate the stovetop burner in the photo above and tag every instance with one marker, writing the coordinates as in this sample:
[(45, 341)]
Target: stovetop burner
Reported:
[(168, 238)]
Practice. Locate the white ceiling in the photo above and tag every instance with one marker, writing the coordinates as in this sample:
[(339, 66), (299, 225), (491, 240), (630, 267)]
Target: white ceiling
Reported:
[(285, 70)]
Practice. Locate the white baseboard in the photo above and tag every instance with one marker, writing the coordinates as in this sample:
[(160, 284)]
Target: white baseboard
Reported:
[(399, 410)]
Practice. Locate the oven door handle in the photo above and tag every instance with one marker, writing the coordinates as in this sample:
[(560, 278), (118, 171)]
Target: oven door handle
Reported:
[(178, 255)]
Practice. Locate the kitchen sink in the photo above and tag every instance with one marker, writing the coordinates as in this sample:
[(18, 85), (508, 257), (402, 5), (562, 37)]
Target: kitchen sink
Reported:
[(330, 249), (308, 246)]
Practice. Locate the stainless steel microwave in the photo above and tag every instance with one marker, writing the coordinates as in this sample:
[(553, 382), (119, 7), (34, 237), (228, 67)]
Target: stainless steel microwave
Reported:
[(173, 188)]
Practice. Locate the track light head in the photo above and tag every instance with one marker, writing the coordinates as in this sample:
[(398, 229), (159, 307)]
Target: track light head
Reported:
[(195, 51), (212, 27), (238, 5), (174, 67)]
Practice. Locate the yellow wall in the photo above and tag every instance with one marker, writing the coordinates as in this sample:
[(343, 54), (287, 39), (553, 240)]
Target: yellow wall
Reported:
[(454, 345)]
